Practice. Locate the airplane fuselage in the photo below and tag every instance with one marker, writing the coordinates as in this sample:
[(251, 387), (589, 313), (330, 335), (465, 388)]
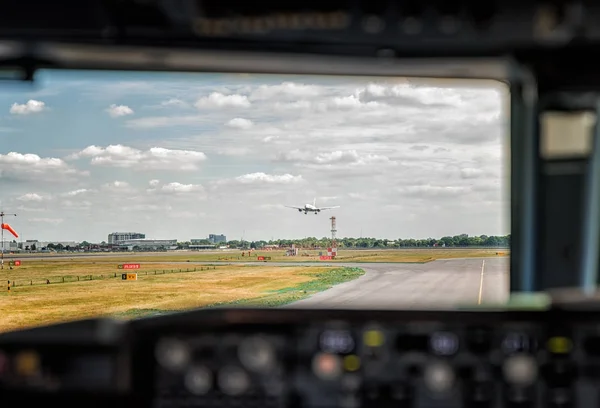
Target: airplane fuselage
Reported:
[(309, 208)]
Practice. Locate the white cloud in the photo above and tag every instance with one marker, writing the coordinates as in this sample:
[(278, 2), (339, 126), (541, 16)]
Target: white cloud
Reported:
[(252, 178), (174, 102), (77, 192), (154, 182), (117, 111), (239, 123), (181, 188), (31, 167), (177, 188), (31, 197), (32, 106), (286, 91), (342, 157), (219, 100), (155, 158)]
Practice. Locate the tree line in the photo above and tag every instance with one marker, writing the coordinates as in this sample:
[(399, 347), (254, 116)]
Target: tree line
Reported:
[(456, 241)]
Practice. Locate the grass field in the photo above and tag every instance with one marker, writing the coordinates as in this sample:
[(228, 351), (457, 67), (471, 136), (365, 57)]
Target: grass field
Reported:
[(55, 289), (34, 302), (397, 255)]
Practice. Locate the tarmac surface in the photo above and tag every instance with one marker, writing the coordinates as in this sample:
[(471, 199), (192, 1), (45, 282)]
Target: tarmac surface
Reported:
[(435, 285)]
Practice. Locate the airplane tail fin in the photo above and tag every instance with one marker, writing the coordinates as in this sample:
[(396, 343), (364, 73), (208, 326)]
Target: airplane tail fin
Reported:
[(315, 202)]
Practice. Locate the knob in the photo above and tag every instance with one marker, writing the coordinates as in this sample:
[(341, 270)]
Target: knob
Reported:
[(257, 354), (198, 380), (233, 381), (172, 354), (439, 377), (520, 370)]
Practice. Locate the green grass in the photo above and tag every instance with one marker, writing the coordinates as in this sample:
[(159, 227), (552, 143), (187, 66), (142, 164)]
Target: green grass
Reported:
[(276, 298), (324, 281)]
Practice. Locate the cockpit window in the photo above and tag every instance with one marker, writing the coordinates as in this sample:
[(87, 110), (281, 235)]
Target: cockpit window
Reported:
[(134, 194)]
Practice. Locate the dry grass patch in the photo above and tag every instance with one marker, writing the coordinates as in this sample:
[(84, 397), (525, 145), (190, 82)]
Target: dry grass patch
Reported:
[(34, 305)]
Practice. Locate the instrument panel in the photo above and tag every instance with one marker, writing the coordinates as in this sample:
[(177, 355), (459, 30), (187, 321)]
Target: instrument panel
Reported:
[(307, 358), (406, 25)]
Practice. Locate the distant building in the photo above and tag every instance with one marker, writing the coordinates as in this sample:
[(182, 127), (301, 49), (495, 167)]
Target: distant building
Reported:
[(199, 246), (9, 246), (118, 237), (149, 243), (215, 239), (64, 244)]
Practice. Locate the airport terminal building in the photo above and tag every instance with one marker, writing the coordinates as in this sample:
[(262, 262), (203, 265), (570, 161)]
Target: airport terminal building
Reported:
[(148, 244), (118, 237)]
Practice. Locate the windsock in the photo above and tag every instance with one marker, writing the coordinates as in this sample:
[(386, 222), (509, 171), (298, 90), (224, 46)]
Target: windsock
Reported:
[(9, 229)]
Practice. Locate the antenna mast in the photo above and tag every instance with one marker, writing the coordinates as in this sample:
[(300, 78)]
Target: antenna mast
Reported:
[(2, 215), (333, 237)]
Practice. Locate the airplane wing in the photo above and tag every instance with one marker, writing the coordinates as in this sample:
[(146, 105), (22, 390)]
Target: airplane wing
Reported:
[(328, 208), (296, 208)]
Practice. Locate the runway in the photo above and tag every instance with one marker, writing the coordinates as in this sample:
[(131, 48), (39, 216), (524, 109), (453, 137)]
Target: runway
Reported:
[(438, 284)]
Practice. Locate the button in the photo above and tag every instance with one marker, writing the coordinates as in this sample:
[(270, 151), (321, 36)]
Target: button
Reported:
[(233, 381), (198, 380), (559, 345), (27, 363), (439, 377), (444, 343), (351, 363), (172, 354), (373, 338), (257, 354), (517, 343), (327, 366), (520, 370)]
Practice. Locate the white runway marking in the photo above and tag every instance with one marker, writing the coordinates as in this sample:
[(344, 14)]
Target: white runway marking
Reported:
[(481, 282)]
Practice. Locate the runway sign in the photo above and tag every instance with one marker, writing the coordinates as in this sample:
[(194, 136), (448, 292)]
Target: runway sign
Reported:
[(325, 258), (129, 266), (263, 258), (129, 276)]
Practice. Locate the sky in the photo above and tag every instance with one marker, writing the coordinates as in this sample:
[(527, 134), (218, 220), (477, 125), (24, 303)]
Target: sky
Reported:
[(181, 156)]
